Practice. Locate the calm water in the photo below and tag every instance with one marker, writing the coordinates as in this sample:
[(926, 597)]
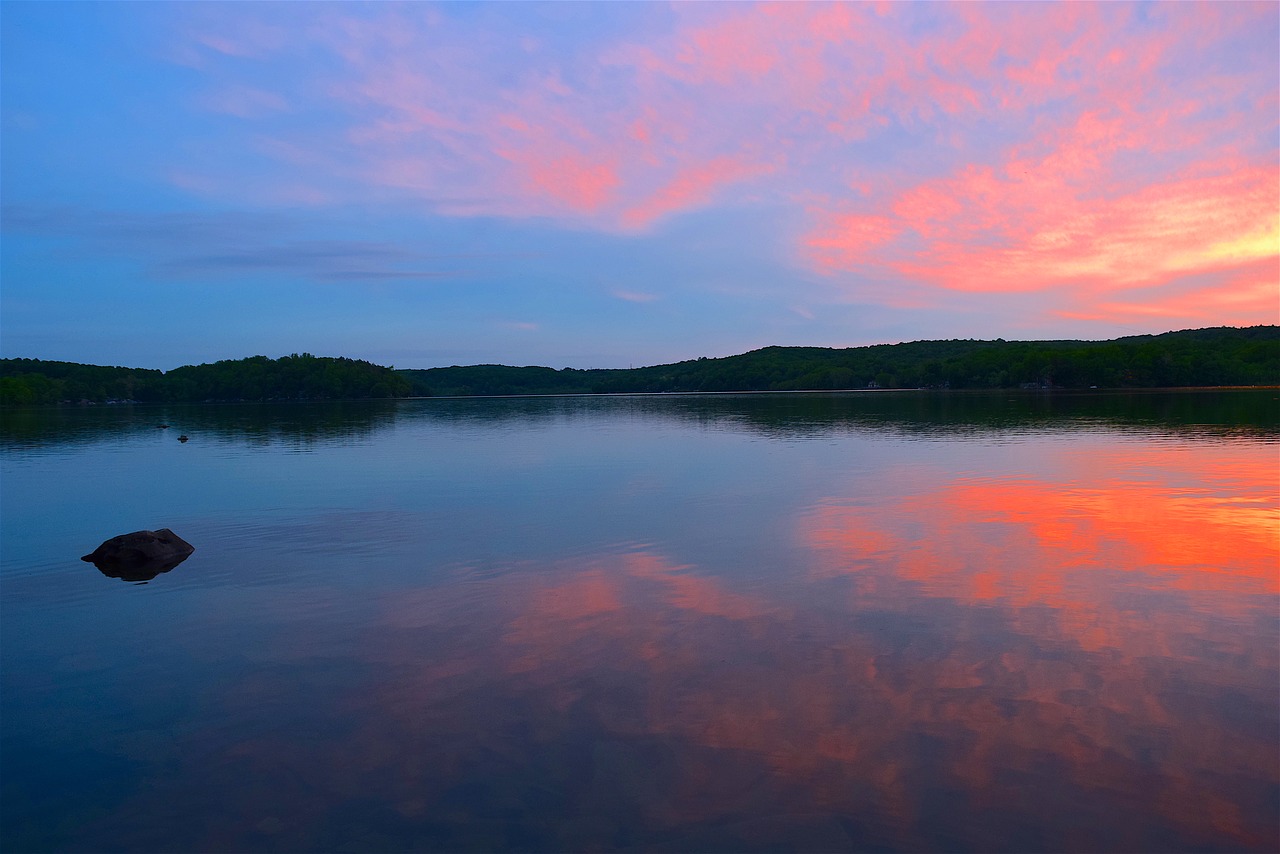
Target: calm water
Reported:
[(872, 621)]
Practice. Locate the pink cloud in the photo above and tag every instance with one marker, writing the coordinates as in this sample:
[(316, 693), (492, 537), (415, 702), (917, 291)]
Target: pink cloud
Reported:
[(692, 186), (843, 241), (989, 230), (580, 184), (971, 148), (1243, 296), (1083, 206)]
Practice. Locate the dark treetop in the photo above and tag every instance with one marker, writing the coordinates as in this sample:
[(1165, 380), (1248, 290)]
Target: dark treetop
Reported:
[(1220, 356), (296, 377)]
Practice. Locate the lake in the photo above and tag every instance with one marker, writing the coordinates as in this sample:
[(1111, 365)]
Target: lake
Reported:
[(860, 621)]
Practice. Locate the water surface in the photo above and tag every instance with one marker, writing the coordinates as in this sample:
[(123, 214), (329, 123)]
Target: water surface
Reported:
[(769, 622)]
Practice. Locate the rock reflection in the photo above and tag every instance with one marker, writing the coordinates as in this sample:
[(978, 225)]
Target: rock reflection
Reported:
[(140, 556), (137, 572)]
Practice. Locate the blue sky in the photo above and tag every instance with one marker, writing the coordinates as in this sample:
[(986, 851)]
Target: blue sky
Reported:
[(603, 185)]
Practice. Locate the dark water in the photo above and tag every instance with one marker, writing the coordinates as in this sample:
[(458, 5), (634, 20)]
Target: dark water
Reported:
[(861, 622)]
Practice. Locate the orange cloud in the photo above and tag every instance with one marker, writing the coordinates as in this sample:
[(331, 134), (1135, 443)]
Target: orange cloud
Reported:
[(1028, 227), (1080, 205), (1240, 297)]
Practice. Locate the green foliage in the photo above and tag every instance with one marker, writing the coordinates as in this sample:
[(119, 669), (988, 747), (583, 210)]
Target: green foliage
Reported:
[(1220, 356), (296, 377), (32, 381)]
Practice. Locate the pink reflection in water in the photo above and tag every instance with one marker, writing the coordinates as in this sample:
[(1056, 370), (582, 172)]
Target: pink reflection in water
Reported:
[(988, 664)]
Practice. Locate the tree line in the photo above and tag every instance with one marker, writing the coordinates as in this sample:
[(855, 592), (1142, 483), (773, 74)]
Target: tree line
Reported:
[(258, 378), (1220, 356)]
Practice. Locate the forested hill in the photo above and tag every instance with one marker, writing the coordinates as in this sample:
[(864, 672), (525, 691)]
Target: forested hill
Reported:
[(1197, 357), (296, 377)]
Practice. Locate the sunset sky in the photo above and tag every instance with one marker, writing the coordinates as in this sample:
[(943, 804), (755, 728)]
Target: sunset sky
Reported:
[(604, 185)]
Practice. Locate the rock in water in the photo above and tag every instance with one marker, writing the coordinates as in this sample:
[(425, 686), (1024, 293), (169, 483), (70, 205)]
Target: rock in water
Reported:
[(140, 556)]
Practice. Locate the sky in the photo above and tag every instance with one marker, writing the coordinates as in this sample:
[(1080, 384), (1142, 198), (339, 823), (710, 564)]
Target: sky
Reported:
[(614, 184)]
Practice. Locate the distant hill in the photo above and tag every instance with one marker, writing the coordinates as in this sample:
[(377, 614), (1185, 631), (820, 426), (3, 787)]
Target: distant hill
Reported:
[(1194, 357), (1219, 356), (296, 377)]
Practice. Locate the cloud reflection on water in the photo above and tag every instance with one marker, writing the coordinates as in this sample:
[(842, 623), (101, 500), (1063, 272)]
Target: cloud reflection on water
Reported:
[(1072, 676), (1058, 645), (994, 665)]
